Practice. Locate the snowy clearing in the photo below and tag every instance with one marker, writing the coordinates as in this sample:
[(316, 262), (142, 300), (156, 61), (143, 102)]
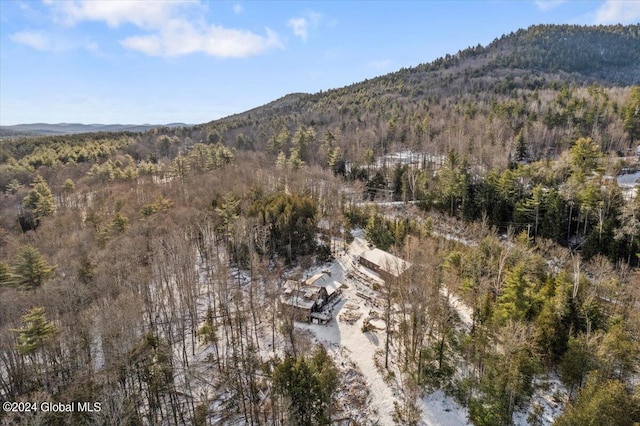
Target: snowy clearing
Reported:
[(360, 348)]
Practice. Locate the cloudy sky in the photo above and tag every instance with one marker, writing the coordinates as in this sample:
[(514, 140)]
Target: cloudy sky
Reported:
[(135, 62)]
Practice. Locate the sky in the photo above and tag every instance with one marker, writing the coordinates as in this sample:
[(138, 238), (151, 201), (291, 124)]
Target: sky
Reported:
[(193, 61)]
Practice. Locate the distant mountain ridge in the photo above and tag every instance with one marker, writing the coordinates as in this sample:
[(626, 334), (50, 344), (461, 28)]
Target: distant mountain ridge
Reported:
[(498, 79), (610, 54), (74, 128)]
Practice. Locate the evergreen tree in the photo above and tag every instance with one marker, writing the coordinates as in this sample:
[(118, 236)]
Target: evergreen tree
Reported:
[(550, 334), (5, 274), (40, 199), (281, 160), (377, 232), (291, 220), (601, 403), (517, 301), (326, 374), (531, 210), (180, 167), (521, 147), (584, 155), (577, 362), (31, 270), (67, 189), (453, 178), (13, 186), (629, 230), (333, 158), (303, 139), (36, 331), (632, 114), (554, 220), (309, 385), (295, 161), (619, 352), (507, 379)]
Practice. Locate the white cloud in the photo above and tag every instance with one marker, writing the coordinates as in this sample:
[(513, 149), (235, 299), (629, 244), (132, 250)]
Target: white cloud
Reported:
[(172, 27), (546, 5), (214, 41), (144, 14), (37, 40), (42, 41), (618, 12), (238, 9), (301, 25), (49, 42), (151, 44)]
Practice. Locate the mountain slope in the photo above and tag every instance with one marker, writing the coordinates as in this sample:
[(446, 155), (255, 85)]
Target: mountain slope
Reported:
[(609, 53), (482, 95)]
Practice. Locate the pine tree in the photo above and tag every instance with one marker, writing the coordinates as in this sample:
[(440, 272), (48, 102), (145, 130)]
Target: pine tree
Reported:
[(40, 199), (521, 147), (36, 331), (601, 403), (180, 167), (531, 209), (295, 162), (632, 114), (377, 233), (584, 156), (281, 161), (309, 385), (5, 274), (554, 218), (577, 362), (31, 270), (516, 301), (453, 178), (619, 352), (629, 230)]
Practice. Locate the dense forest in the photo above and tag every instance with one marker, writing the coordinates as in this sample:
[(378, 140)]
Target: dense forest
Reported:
[(144, 271)]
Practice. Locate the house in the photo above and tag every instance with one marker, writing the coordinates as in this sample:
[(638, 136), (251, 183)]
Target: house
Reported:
[(324, 281), (298, 301), (384, 264), (305, 300)]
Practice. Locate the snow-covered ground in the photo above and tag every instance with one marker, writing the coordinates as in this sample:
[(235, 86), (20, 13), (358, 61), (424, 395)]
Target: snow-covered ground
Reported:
[(629, 179), (438, 409), (629, 184), (548, 397), (360, 347), (369, 392), (464, 312)]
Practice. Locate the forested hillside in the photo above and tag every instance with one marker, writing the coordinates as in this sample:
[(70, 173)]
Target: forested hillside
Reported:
[(547, 84), (148, 272)]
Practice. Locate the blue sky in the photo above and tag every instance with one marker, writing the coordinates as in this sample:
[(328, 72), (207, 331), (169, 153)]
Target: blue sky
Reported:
[(135, 62)]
